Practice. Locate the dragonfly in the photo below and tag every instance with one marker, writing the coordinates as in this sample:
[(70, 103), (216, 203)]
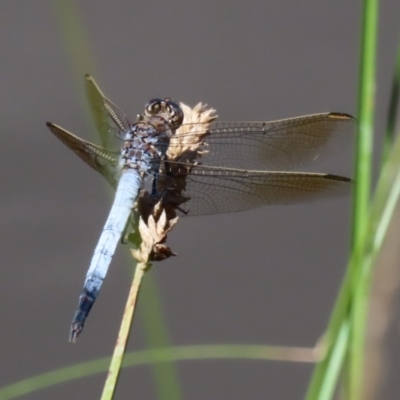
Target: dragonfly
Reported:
[(238, 166)]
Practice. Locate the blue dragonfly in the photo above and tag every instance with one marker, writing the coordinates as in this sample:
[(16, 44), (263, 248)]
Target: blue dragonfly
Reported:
[(232, 166)]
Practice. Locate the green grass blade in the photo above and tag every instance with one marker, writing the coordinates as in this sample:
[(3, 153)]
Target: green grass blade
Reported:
[(154, 326), (323, 377), (392, 111), (361, 200), (384, 202), (73, 32), (158, 356), (324, 373), (366, 102), (334, 366)]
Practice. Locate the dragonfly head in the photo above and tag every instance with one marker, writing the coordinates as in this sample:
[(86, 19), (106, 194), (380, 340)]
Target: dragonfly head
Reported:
[(167, 109)]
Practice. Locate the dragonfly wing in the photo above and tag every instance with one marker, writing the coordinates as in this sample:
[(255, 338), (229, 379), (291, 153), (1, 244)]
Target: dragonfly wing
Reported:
[(100, 159), (118, 116), (210, 190), (105, 114), (276, 145)]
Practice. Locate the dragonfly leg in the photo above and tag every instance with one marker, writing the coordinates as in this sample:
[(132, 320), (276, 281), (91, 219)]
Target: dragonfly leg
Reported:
[(182, 210), (154, 184), (125, 234)]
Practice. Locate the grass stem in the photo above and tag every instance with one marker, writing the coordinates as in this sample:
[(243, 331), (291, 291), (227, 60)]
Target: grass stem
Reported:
[(361, 199), (123, 335)]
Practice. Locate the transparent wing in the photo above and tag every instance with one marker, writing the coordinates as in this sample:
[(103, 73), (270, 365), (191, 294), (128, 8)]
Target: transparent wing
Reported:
[(119, 118), (208, 190), (276, 145), (235, 167), (105, 115), (102, 160), (200, 189)]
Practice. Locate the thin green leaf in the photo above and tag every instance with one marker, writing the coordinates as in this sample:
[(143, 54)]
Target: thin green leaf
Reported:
[(392, 111), (158, 356), (384, 202), (361, 202)]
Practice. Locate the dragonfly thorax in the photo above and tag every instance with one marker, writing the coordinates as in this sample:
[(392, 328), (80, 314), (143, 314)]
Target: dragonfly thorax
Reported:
[(146, 143)]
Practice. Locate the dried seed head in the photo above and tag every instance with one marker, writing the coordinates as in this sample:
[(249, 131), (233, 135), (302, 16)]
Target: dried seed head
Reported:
[(154, 234), (158, 218), (190, 136)]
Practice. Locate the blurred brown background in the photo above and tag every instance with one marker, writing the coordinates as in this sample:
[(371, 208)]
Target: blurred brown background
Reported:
[(268, 276)]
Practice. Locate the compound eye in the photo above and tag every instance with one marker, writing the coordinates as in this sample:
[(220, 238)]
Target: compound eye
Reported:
[(154, 106), (167, 109), (175, 113)]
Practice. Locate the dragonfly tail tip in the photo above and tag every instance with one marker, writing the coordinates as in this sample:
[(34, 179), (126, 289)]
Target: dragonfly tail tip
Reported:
[(76, 329)]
